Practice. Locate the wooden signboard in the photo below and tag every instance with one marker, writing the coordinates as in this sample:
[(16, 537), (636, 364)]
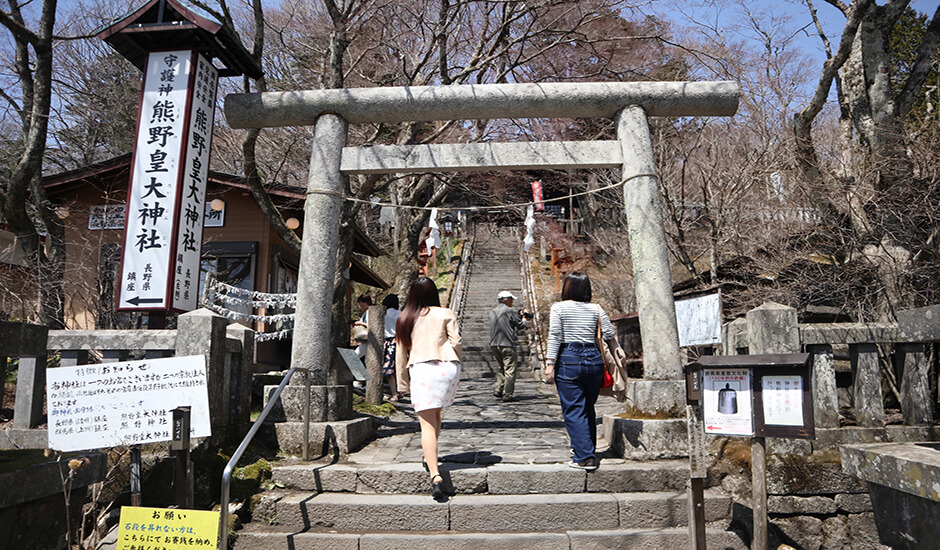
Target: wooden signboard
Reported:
[(776, 393)]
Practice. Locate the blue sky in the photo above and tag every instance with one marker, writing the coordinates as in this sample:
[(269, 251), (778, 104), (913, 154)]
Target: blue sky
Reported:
[(787, 17)]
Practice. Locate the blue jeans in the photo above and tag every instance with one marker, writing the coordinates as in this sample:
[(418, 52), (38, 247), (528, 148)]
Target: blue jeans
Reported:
[(578, 376)]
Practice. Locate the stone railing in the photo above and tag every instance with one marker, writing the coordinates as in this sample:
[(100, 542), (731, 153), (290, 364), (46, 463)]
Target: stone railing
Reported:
[(229, 351), (869, 345), (812, 499)]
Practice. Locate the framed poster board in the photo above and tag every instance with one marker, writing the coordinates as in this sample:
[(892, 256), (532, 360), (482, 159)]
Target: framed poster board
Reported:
[(768, 395)]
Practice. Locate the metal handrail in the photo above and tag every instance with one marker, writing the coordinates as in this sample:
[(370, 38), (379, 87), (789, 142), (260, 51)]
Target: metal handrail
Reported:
[(230, 467), (459, 296), (529, 291)]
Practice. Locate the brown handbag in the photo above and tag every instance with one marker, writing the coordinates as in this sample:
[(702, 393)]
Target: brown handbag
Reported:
[(613, 368)]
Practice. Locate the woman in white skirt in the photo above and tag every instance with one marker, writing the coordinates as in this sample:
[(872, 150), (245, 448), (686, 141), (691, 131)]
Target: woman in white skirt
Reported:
[(428, 353)]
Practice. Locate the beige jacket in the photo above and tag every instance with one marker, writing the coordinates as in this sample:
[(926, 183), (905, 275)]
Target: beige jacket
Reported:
[(435, 336)]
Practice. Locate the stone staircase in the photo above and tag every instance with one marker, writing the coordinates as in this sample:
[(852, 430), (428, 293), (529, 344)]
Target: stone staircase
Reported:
[(499, 506), (493, 267), (504, 467)]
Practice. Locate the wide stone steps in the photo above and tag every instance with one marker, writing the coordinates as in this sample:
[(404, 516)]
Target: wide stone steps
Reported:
[(624, 504), (282, 538), (496, 513), (614, 476)]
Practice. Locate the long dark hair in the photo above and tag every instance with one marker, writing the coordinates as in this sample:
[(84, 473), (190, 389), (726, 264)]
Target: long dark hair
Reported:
[(421, 295), (577, 287)]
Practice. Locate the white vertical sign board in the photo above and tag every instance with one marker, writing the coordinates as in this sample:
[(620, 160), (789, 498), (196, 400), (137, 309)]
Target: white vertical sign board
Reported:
[(782, 397), (195, 174), (699, 320), (726, 401), (152, 198), (126, 403)]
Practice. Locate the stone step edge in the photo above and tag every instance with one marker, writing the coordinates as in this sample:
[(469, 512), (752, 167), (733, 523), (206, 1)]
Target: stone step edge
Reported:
[(273, 538), (492, 513), (410, 478)]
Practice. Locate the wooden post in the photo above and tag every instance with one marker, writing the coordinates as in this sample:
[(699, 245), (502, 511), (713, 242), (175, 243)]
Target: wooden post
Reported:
[(697, 473), (759, 492), (179, 451), (135, 475)]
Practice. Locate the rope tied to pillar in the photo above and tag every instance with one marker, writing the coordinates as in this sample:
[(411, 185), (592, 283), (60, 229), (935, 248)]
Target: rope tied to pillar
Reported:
[(497, 207)]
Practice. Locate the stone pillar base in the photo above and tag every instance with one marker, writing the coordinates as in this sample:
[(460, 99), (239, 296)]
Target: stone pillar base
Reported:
[(647, 439), (653, 425), (337, 438), (327, 403), (656, 399)]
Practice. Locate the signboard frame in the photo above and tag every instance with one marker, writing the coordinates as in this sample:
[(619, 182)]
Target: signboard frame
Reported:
[(787, 364), (808, 428)]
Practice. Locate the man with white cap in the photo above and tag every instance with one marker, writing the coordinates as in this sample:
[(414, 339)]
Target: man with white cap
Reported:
[(504, 321)]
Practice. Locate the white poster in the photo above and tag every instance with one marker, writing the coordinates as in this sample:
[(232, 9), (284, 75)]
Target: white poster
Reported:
[(195, 173), (106, 216), (726, 401), (699, 320), (783, 400), (127, 403), (213, 218)]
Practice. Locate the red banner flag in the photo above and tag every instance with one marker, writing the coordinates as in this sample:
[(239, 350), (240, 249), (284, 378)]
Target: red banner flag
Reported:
[(537, 195)]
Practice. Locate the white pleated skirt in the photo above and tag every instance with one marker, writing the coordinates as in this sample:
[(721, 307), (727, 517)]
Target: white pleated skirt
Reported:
[(433, 384)]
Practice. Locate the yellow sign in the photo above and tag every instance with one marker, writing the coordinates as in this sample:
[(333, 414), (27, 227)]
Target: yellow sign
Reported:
[(167, 529)]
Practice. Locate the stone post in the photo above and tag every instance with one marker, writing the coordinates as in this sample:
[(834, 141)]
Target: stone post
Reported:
[(866, 386), (771, 328), (915, 386), (202, 332), (729, 336), (241, 366), (919, 327), (375, 354), (28, 342), (312, 344), (825, 394)]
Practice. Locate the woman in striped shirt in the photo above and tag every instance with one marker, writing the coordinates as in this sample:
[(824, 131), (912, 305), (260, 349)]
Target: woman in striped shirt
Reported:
[(572, 348)]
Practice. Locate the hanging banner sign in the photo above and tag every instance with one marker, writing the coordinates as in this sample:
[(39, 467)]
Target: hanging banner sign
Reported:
[(168, 174), (537, 195), (193, 195)]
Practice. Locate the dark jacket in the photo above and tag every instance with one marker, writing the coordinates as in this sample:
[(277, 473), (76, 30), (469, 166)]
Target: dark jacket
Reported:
[(504, 321)]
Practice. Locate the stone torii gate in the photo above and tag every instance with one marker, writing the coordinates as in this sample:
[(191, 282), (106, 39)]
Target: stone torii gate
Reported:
[(629, 103)]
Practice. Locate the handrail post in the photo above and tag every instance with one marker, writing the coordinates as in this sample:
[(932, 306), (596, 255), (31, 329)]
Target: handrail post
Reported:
[(236, 456)]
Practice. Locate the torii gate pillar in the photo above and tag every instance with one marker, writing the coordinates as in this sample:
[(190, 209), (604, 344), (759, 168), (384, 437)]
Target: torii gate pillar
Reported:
[(661, 392)]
